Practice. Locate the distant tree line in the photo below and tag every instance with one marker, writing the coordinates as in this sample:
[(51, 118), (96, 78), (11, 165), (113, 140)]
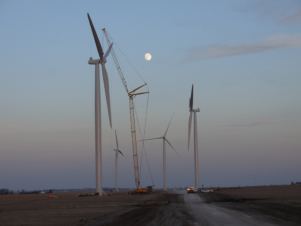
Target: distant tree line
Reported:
[(5, 191)]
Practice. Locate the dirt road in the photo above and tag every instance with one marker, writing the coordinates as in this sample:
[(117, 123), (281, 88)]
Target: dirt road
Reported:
[(211, 215)]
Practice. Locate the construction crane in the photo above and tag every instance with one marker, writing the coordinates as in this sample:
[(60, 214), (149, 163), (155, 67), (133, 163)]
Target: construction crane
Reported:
[(131, 94)]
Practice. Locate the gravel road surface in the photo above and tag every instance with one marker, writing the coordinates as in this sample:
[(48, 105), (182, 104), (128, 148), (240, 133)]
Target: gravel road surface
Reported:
[(211, 215)]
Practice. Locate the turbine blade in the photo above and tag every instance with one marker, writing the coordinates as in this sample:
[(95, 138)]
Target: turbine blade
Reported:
[(155, 138), (136, 94), (170, 145), (189, 128), (120, 152), (168, 125), (108, 52), (96, 39), (107, 91), (116, 140), (191, 99)]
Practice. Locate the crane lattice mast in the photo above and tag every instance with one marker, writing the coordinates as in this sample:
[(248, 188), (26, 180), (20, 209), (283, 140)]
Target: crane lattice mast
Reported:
[(131, 95)]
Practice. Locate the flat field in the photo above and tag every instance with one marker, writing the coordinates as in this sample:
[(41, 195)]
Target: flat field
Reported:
[(279, 205), (282, 204), (115, 209)]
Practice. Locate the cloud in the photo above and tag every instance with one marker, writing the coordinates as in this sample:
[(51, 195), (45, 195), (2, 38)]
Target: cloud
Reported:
[(296, 17), (283, 11), (219, 51)]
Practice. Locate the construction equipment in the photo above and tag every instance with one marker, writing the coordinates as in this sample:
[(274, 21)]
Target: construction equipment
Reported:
[(131, 94)]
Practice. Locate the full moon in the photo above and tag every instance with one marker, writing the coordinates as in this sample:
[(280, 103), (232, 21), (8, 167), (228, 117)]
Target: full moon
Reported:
[(147, 56)]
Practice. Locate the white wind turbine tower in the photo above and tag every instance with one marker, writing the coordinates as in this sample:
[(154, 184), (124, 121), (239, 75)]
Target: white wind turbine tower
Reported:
[(131, 94), (117, 153), (193, 112), (98, 143), (165, 140)]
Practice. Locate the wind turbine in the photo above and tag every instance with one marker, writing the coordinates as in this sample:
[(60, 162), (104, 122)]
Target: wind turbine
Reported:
[(193, 112), (98, 144), (117, 153), (165, 140), (131, 94)]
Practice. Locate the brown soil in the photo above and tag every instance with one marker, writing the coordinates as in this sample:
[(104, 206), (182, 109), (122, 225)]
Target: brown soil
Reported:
[(116, 209), (281, 203)]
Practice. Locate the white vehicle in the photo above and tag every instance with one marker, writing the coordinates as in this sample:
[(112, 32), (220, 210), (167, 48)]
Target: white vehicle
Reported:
[(191, 190)]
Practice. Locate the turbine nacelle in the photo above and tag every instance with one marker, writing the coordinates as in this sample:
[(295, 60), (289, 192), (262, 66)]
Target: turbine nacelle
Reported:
[(104, 59), (93, 61)]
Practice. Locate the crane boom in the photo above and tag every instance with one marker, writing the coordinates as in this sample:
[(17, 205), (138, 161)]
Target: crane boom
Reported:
[(131, 95), (113, 54)]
